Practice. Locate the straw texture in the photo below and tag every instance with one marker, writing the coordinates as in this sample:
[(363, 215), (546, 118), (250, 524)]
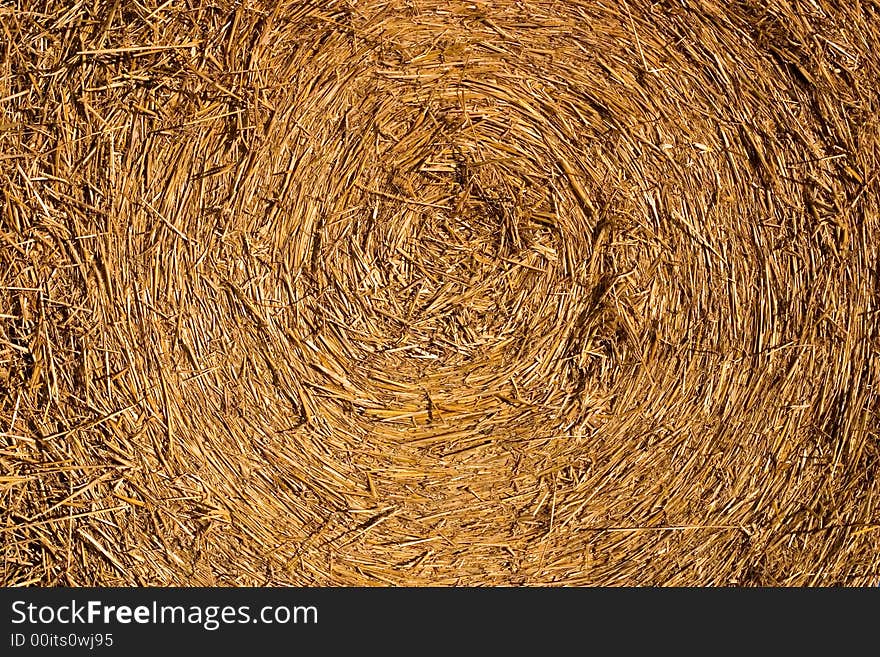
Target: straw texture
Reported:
[(433, 292)]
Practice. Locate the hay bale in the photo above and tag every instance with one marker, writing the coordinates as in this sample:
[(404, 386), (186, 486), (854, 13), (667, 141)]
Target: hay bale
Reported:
[(432, 292)]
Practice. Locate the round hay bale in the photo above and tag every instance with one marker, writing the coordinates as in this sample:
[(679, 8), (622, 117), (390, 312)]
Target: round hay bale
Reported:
[(437, 292)]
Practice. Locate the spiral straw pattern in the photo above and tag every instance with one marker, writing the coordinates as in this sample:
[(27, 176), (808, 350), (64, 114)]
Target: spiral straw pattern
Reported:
[(430, 292)]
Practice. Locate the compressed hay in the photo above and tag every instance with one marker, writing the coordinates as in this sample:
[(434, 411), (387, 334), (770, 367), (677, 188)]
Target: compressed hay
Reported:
[(431, 292)]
